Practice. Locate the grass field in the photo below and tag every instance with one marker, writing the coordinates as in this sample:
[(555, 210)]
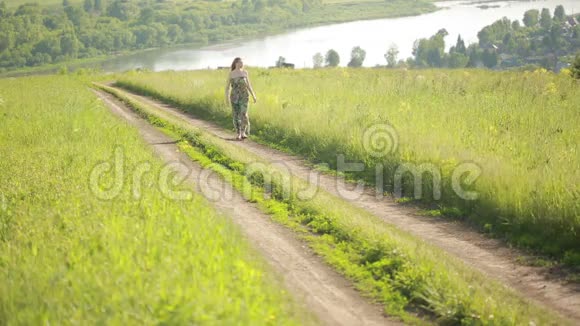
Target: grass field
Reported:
[(518, 129), (69, 256), (401, 272)]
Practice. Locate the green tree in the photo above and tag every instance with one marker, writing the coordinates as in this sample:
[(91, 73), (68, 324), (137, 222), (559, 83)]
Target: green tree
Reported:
[(484, 37), (100, 5), (88, 6), (531, 18), (523, 46), (307, 5), (160, 34), (332, 58), (576, 67), (69, 45), (474, 56), (494, 32), (144, 36), (430, 52), (259, 5), (489, 58), (546, 19), (49, 46), (458, 60), (516, 25), (6, 40), (460, 45), (434, 57), (175, 34), (65, 3), (28, 9), (3, 9), (147, 16), (123, 39), (123, 10), (509, 43), (554, 40), (54, 23), (75, 15), (357, 57), (317, 60), (559, 13), (38, 58), (392, 55)]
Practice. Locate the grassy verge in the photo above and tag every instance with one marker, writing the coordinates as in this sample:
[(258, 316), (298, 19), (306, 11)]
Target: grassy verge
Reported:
[(76, 251), (443, 119), (408, 277), (61, 68)]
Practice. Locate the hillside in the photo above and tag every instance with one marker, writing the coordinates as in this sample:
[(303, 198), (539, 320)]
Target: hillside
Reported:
[(512, 133), (33, 34)]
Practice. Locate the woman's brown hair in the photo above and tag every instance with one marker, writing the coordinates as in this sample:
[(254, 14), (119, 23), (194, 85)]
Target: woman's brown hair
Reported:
[(236, 60)]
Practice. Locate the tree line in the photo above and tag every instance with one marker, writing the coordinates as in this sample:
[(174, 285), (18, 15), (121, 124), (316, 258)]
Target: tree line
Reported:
[(544, 40), (33, 35)]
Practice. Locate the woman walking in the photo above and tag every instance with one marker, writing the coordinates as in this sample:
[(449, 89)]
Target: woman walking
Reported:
[(238, 88)]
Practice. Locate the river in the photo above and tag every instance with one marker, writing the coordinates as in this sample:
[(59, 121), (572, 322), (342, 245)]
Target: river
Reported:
[(374, 36)]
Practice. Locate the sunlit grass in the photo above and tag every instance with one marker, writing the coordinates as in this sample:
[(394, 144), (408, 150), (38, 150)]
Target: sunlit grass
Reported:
[(519, 128), (68, 257), (396, 269)]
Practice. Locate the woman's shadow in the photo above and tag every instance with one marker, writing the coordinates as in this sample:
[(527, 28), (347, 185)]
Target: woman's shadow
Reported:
[(231, 138)]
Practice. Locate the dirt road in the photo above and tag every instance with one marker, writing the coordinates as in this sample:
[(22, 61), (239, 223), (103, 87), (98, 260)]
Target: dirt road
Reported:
[(323, 291), (490, 256)]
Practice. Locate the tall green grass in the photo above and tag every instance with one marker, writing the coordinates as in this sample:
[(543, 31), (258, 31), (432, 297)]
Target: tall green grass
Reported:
[(68, 257), (396, 269), (519, 128)]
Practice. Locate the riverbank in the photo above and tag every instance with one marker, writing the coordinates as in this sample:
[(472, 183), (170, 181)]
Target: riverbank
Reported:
[(326, 14)]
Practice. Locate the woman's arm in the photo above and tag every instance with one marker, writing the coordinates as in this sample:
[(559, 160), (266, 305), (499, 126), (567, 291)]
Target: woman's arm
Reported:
[(250, 87), (227, 95)]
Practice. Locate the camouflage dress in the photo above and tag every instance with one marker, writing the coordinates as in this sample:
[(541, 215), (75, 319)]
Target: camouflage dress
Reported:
[(239, 98)]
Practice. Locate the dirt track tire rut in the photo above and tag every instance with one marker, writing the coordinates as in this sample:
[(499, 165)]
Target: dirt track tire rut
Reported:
[(490, 256), (329, 296)]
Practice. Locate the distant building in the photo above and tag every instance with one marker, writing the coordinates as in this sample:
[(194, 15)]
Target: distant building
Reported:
[(508, 60), (283, 65), (490, 46), (536, 60)]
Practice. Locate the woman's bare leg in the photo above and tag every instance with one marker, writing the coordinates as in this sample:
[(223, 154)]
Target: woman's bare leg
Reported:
[(238, 120), (245, 125)]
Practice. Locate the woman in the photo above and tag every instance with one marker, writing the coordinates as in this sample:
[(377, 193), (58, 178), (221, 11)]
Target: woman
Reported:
[(237, 88)]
